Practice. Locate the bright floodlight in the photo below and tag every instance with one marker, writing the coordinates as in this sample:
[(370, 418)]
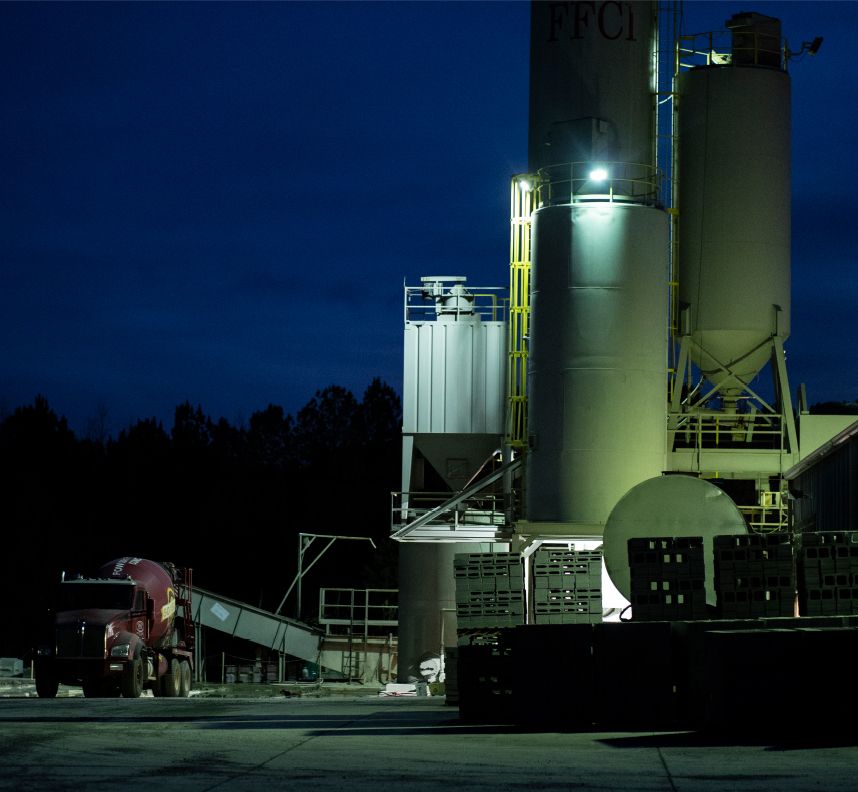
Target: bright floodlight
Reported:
[(524, 185), (598, 174)]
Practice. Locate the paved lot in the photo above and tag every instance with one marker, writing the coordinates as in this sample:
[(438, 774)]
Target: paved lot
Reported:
[(371, 743)]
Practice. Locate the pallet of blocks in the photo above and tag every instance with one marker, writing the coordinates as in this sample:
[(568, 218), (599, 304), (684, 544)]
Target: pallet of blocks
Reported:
[(828, 573), (567, 586), (484, 677), (754, 575), (489, 590), (667, 578)]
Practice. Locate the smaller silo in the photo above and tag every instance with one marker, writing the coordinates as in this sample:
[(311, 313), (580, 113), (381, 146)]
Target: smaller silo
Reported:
[(453, 418), (734, 204)]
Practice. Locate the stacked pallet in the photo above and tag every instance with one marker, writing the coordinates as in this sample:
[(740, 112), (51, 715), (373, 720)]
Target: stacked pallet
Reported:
[(485, 678), (828, 574), (754, 575), (567, 586), (667, 578), (489, 590)]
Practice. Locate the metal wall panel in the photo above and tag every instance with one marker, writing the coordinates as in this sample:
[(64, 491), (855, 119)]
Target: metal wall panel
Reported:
[(454, 377)]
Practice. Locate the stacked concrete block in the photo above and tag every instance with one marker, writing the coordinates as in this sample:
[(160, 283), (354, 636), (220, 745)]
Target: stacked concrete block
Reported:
[(667, 578), (828, 574), (562, 655), (451, 674), (485, 678), (781, 682), (489, 590), (633, 674), (754, 575), (567, 586)]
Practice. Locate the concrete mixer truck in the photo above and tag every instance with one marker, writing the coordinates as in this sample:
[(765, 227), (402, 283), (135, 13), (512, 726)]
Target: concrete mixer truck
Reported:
[(127, 629)]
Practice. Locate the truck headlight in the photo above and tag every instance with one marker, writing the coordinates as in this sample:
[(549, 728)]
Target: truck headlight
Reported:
[(120, 650)]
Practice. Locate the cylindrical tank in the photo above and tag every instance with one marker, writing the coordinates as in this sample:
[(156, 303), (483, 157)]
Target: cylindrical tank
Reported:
[(597, 363), (158, 583), (427, 602), (734, 217), (591, 82)]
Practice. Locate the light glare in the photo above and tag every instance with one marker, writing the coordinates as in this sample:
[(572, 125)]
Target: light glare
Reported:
[(598, 174)]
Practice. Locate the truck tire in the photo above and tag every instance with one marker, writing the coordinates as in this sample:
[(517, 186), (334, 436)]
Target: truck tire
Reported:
[(170, 681), (184, 679), (47, 685), (134, 677)]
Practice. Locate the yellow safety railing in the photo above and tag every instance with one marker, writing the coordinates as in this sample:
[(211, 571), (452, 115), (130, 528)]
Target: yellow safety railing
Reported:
[(726, 48), (586, 182)]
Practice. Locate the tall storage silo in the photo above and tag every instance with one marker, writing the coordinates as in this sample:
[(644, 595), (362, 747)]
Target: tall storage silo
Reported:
[(453, 420), (734, 205), (597, 361), (592, 74), (598, 345)]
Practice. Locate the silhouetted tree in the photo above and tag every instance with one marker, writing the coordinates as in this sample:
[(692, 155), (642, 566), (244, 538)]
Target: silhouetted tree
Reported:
[(834, 408), (140, 483), (37, 454), (381, 412), (326, 425), (41, 478), (227, 500), (271, 441), (192, 428)]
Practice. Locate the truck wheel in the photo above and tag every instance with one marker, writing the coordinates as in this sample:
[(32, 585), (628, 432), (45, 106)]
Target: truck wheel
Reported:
[(170, 681), (47, 685), (184, 679), (134, 677)]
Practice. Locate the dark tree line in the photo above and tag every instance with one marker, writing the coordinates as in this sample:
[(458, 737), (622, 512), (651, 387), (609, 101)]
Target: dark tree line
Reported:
[(228, 501)]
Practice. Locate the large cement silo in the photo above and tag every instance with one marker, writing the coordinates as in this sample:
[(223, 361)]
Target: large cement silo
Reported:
[(734, 205), (592, 77), (597, 362), (598, 345)]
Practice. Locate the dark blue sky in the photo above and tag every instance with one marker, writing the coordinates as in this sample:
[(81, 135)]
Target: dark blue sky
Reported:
[(219, 202)]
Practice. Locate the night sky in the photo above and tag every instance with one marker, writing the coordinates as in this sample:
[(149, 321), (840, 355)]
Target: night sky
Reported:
[(220, 202)]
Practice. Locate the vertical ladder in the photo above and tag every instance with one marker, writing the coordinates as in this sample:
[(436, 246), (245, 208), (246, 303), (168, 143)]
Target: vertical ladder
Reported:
[(522, 192)]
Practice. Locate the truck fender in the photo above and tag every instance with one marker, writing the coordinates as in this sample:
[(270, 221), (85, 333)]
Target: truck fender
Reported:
[(136, 645)]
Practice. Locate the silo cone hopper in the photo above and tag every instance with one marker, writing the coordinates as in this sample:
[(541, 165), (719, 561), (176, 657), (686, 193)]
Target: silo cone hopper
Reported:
[(732, 310)]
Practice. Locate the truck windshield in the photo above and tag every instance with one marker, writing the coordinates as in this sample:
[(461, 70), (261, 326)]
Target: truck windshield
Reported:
[(80, 596)]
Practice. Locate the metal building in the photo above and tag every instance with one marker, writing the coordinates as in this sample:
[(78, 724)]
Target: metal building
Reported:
[(824, 485)]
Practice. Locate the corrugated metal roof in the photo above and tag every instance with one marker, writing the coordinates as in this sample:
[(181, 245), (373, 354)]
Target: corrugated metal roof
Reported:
[(823, 451)]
